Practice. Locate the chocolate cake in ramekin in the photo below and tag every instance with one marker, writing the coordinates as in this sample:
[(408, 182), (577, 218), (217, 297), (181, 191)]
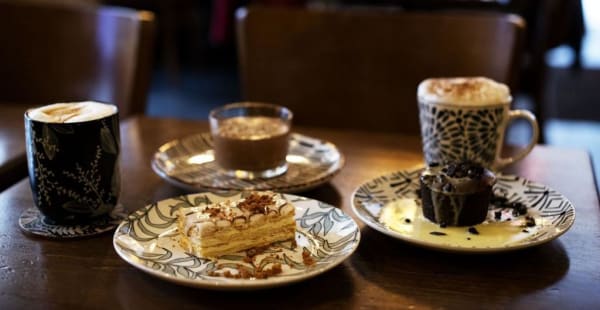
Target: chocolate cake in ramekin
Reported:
[(456, 194)]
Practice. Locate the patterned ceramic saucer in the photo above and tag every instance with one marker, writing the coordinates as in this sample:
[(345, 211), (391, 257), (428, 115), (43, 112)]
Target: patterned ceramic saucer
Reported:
[(389, 204), (189, 163), (148, 240), (33, 222)]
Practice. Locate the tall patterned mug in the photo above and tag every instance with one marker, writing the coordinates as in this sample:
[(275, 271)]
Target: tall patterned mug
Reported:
[(72, 157), (464, 119)]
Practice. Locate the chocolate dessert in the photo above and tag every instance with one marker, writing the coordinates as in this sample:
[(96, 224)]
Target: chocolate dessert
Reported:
[(456, 194)]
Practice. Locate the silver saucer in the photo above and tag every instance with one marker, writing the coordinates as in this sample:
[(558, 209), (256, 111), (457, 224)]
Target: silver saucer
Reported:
[(189, 163)]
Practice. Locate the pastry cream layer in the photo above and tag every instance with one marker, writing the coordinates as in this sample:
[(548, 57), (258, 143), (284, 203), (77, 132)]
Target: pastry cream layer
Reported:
[(231, 226), (233, 240)]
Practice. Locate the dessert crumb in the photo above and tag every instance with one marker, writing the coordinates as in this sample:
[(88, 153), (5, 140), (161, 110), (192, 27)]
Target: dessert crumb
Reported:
[(473, 230), (307, 259)]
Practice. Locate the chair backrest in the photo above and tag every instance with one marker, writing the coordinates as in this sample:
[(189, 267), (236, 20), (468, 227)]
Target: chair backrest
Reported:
[(53, 53), (359, 68)]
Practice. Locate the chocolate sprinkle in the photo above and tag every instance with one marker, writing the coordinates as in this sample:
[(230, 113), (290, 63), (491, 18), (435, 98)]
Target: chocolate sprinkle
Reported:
[(473, 230), (521, 208), (529, 221), (437, 233)]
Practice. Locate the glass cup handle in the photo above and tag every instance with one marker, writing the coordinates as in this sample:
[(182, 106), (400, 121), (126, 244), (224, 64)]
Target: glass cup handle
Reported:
[(512, 115)]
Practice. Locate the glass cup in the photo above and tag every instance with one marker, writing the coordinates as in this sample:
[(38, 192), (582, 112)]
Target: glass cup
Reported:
[(251, 139)]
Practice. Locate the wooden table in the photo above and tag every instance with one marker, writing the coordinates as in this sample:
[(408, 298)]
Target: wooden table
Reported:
[(382, 273), (13, 163)]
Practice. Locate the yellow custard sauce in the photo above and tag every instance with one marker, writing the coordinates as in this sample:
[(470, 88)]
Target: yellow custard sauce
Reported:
[(405, 217)]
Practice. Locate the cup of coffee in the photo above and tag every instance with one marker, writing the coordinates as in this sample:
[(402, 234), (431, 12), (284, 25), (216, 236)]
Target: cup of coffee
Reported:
[(251, 139), (73, 160), (464, 120)]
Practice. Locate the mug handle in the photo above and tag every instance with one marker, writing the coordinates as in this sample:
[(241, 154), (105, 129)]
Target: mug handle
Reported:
[(512, 115)]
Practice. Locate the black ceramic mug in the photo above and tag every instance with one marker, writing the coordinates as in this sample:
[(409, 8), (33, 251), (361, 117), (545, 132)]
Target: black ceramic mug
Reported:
[(74, 166)]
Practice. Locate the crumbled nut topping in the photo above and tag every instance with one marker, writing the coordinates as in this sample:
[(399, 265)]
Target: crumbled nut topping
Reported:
[(256, 203), (307, 259), (245, 273), (213, 211), (256, 271)]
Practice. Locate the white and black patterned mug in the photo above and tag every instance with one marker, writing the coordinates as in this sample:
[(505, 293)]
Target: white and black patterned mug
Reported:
[(464, 119), (73, 159)]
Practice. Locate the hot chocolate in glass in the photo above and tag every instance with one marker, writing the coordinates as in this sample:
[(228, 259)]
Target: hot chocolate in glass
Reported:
[(251, 139)]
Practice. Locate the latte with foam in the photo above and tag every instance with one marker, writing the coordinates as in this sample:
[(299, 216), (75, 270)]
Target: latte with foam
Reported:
[(468, 91), (463, 119), (72, 112)]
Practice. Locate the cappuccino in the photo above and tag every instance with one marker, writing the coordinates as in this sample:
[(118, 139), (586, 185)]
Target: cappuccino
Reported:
[(72, 112), (463, 119), (73, 160), (468, 91)]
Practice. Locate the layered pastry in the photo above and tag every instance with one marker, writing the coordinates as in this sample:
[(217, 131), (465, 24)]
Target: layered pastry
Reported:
[(456, 194), (257, 220)]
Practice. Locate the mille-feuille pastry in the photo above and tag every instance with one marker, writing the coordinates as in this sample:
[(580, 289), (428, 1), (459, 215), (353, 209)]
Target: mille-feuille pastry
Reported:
[(257, 220)]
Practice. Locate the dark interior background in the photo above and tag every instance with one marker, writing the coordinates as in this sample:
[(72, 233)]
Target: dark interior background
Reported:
[(196, 65)]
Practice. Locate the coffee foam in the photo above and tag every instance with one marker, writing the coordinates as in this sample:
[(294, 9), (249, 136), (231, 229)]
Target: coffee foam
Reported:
[(463, 91), (72, 112)]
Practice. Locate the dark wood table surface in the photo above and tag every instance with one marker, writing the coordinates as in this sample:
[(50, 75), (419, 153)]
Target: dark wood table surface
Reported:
[(13, 163), (382, 273)]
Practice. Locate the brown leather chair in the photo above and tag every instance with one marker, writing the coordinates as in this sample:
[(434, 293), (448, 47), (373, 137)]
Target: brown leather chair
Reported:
[(359, 68), (52, 53)]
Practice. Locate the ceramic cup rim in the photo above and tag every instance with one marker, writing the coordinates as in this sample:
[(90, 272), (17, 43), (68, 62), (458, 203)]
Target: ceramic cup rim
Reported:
[(446, 104)]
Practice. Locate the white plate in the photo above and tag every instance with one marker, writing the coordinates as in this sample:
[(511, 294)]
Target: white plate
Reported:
[(395, 194), (148, 241), (189, 163)]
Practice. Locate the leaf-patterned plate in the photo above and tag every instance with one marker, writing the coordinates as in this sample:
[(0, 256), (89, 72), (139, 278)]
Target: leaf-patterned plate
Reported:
[(148, 240), (189, 163), (389, 204)]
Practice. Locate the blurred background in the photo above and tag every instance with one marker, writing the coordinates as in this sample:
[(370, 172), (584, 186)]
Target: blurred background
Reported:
[(196, 68)]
